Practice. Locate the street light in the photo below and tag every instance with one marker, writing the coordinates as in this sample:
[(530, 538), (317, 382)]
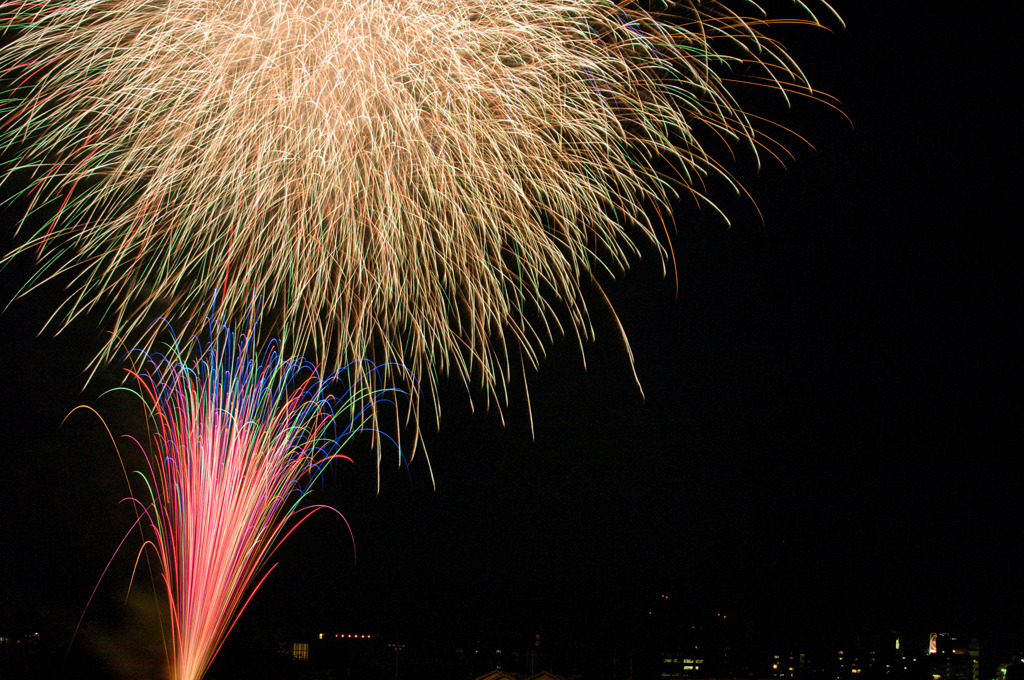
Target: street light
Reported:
[(398, 647)]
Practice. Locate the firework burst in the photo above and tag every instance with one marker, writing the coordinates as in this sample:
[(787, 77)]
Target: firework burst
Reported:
[(431, 183), (238, 438)]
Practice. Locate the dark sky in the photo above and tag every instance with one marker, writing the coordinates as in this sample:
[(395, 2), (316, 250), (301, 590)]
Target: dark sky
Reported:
[(829, 439)]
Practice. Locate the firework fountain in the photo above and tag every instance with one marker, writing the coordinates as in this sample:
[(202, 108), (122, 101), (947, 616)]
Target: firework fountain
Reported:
[(239, 436)]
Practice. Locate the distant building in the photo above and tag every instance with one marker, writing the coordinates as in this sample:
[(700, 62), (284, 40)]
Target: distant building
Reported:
[(501, 675), (685, 663), (691, 647), (19, 646), (300, 651), (952, 659), (496, 675), (870, 657), (792, 666), (355, 654)]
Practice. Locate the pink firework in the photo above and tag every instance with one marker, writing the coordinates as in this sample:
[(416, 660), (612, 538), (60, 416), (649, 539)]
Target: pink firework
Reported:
[(239, 437)]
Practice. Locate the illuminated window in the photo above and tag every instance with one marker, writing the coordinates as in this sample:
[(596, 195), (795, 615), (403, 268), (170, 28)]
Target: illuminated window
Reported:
[(300, 651)]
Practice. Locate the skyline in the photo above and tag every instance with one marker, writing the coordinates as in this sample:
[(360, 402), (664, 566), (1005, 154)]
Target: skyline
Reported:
[(664, 645)]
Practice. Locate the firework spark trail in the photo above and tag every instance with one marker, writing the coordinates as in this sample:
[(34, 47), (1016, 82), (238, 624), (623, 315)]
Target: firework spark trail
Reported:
[(430, 183), (239, 437)]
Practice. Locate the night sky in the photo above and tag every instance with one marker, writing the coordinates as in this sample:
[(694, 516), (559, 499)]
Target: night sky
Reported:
[(828, 438)]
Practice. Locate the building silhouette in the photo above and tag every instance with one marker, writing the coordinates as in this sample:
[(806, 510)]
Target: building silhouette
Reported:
[(950, 658)]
